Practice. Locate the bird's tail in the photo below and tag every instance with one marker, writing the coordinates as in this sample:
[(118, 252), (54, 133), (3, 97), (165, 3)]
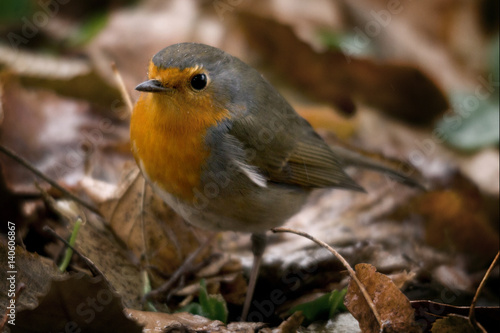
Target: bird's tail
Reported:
[(365, 160)]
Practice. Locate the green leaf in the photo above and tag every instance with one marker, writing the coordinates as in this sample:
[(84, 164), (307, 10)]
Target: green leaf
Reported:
[(356, 44), (89, 29), (323, 307), (13, 11), (330, 38), (474, 125), (211, 306), (193, 308), (336, 301)]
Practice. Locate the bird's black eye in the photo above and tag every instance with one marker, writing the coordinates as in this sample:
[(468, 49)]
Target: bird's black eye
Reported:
[(199, 81)]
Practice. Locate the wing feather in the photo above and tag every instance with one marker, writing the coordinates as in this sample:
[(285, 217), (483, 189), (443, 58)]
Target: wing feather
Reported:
[(293, 155)]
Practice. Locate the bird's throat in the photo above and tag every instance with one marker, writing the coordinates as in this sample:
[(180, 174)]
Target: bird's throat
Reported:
[(169, 144)]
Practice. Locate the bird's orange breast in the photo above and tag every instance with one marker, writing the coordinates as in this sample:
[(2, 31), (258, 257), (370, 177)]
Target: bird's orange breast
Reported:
[(168, 141)]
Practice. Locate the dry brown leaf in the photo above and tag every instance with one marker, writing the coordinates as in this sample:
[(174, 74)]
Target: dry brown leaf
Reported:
[(149, 228), (130, 38), (454, 277), (59, 136), (48, 137), (76, 303), (227, 272), (402, 91), (394, 308), (483, 169), (11, 205), (66, 76), (34, 271), (435, 35), (428, 312), (186, 322), (291, 324), (455, 324), (402, 279), (100, 246), (323, 117), (234, 291), (456, 219)]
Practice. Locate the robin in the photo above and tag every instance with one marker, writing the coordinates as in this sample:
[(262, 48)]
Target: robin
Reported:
[(226, 151)]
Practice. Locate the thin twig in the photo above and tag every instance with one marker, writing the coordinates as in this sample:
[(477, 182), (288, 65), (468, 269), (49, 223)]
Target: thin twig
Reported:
[(472, 312), (123, 89), (53, 183), (352, 273)]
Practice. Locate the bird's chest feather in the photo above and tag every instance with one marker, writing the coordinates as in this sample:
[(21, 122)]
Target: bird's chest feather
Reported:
[(170, 148)]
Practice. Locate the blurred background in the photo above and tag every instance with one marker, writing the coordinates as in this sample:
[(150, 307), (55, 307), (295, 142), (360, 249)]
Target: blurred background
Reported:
[(412, 82), (430, 64)]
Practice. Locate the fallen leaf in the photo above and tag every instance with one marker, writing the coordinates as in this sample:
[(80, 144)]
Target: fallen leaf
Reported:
[(60, 136), (71, 77), (470, 129), (323, 307), (100, 246), (427, 312), (325, 118), (210, 306), (179, 19), (229, 273), (49, 137), (402, 91), (483, 169), (456, 219), (77, 302), (158, 237), (453, 277), (12, 205), (455, 324), (394, 308), (182, 321), (291, 324), (402, 279), (34, 271)]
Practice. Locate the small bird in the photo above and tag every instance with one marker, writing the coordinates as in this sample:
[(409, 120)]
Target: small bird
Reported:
[(226, 151)]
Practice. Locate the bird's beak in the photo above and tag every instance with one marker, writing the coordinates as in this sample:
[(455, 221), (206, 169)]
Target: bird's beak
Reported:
[(153, 86)]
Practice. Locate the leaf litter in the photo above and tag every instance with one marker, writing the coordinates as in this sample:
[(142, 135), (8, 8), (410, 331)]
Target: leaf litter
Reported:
[(411, 236)]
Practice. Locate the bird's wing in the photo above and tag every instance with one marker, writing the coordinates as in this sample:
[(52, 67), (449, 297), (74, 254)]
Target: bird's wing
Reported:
[(284, 148)]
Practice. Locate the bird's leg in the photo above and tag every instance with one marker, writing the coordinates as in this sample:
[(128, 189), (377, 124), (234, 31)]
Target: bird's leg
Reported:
[(258, 246)]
